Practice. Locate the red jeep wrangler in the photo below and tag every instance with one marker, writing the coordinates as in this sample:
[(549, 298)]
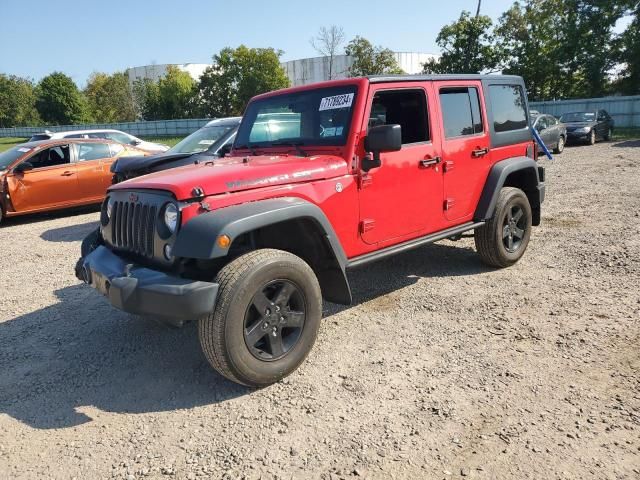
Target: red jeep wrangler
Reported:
[(321, 179)]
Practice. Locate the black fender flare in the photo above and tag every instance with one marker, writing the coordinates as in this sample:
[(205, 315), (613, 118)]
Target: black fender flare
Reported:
[(197, 239), (521, 172)]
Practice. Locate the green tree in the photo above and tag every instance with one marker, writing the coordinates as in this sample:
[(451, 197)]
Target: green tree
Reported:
[(628, 81), (369, 59), (110, 98), (60, 102), (236, 76), (173, 96), (467, 46), (17, 102)]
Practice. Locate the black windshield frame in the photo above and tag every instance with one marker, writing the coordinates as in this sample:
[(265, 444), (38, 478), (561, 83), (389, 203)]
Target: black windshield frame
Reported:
[(312, 99)]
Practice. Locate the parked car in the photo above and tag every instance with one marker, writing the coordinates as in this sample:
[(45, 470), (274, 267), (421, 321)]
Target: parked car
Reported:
[(211, 141), (115, 135), (588, 126), (55, 174), (552, 132), (250, 244)]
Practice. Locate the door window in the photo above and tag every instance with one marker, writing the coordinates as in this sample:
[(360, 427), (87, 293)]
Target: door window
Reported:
[(92, 151), (407, 108), (119, 137), (507, 103), (601, 116), (460, 111), (51, 157)]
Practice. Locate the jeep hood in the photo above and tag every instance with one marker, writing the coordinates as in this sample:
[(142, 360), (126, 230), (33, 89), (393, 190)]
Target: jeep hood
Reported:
[(232, 174)]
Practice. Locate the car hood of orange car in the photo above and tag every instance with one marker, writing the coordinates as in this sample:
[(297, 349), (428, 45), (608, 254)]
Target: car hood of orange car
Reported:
[(232, 174)]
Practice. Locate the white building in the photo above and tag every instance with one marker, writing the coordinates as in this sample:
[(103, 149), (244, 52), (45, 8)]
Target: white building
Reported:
[(156, 72), (316, 69)]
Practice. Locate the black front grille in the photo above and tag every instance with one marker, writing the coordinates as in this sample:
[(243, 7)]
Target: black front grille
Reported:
[(133, 227)]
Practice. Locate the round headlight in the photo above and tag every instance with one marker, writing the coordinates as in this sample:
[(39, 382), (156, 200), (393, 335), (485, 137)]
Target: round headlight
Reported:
[(171, 217), (109, 210)]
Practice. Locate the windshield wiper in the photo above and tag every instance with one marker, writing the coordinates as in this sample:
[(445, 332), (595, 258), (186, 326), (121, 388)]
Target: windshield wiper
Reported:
[(248, 147), (295, 145)]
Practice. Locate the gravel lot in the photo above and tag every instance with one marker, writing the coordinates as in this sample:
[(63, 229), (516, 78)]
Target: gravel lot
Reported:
[(443, 368)]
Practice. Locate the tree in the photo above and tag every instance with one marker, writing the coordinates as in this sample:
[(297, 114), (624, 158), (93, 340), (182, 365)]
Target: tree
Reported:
[(370, 60), (17, 102), (327, 42), (629, 57), (60, 102), (237, 75), (173, 96), (110, 98), (467, 46)]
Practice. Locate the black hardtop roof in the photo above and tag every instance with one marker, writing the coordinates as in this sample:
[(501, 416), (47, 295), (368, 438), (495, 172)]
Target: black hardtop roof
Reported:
[(433, 77)]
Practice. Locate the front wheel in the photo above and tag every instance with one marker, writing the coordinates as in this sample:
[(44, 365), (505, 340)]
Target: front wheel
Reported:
[(560, 147), (266, 317), (504, 238)]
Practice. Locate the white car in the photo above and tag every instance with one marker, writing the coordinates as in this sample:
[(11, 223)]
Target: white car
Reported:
[(115, 135)]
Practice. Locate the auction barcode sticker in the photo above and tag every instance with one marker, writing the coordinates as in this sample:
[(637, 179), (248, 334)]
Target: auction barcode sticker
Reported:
[(337, 101)]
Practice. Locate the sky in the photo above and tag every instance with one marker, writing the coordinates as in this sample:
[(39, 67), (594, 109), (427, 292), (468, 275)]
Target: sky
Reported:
[(80, 37)]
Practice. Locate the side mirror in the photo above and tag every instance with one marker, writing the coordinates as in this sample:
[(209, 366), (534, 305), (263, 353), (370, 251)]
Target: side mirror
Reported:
[(23, 167), (381, 138), (136, 142), (224, 150)]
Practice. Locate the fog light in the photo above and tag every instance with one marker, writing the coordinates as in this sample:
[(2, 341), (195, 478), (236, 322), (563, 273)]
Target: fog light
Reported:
[(168, 254), (224, 241)]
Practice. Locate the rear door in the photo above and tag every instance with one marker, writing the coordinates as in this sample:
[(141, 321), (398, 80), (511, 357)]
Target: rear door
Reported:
[(465, 146), (401, 197), (51, 183), (93, 160)]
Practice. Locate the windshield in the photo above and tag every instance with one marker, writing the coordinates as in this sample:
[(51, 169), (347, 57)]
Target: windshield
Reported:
[(200, 140), (11, 155), (578, 117), (312, 117)]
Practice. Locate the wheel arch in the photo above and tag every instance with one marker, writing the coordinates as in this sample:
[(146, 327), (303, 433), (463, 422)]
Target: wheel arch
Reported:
[(520, 172), (291, 224)]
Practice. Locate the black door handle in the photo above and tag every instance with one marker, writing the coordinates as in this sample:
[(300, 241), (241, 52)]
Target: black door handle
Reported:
[(480, 152), (430, 161)]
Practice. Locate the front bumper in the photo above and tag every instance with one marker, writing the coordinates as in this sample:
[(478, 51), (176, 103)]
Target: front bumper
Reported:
[(579, 136), (142, 291)]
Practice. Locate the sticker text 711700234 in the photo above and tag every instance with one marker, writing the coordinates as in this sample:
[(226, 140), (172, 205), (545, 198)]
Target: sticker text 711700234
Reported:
[(337, 101)]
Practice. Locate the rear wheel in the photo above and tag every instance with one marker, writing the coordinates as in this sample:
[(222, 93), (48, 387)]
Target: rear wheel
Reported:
[(607, 136), (266, 317), (504, 238), (1, 214), (560, 147), (592, 137)]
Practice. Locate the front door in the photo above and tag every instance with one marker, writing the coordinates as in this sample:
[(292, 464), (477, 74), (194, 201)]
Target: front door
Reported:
[(465, 147), (402, 198), (94, 161), (51, 183)]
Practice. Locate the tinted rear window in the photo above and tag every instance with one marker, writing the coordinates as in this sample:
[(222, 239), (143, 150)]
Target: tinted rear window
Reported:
[(460, 111), (40, 136), (507, 103)]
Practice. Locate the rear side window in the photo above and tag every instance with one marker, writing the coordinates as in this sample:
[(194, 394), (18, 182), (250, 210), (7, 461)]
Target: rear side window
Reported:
[(407, 108), (508, 106), (92, 151), (460, 111)]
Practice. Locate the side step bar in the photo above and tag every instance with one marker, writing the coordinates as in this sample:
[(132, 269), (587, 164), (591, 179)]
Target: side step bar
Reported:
[(410, 244)]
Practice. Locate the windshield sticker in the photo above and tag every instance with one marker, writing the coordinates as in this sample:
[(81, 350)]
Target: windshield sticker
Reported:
[(329, 132), (337, 101), (205, 142), (24, 149)]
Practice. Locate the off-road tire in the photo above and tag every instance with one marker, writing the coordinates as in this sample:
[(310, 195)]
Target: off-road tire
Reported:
[(489, 238), (560, 147), (592, 138), (222, 333)]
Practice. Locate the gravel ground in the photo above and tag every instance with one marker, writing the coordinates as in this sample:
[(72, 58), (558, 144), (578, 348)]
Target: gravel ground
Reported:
[(443, 368)]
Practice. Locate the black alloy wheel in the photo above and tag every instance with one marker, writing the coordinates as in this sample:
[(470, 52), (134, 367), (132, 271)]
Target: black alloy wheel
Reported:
[(514, 226), (274, 320)]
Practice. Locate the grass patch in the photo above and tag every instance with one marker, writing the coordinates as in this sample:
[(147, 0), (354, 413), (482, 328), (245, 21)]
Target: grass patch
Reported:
[(626, 133), (7, 142), (171, 141)]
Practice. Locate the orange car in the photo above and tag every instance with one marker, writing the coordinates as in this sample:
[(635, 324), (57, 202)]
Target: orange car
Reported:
[(56, 174)]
